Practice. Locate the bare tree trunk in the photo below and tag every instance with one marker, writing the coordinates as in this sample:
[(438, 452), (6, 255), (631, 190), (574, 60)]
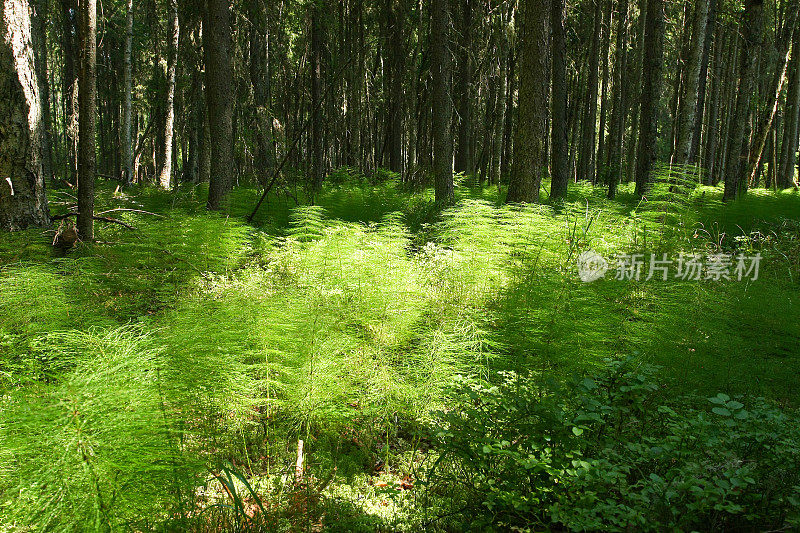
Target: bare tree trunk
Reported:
[(586, 155), (39, 37), (127, 142), (165, 172), (317, 152), (620, 94), (713, 127), (739, 150), (792, 121), (70, 89), (216, 47), (558, 103), (774, 91), (442, 104), (22, 188), (605, 52), (463, 160), (701, 93), (530, 136), (87, 114), (651, 89), (686, 120)]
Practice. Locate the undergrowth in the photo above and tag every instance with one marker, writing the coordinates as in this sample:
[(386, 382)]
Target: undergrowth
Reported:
[(165, 377)]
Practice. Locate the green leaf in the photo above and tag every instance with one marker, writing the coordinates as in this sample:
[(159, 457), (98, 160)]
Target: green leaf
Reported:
[(721, 411), (577, 431)]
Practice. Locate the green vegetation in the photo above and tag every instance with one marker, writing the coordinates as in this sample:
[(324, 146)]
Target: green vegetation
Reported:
[(443, 370)]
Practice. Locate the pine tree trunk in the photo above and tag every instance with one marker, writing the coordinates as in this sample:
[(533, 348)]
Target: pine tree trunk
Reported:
[(317, 150), (463, 159), (686, 120), (87, 114), (792, 122), (395, 52), (558, 102), (739, 148), (127, 141), (713, 127), (442, 104), (586, 155), (69, 88), (22, 187), (216, 47), (605, 52), (39, 37), (530, 137), (651, 89), (619, 93), (165, 172), (774, 91), (701, 93)]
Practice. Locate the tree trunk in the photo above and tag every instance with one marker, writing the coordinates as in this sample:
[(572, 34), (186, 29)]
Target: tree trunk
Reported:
[(127, 142), (739, 150), (442, 104), (165, 172), (713, 127), (774, 91), (530, 137), (701, 92), (586, 155), (69, 89), (686, 120), (219, 74), (87, 114), (558, 103), (317, 151), (463, 160), (651, 90), (260, 81), (792, 121), (22, 187), (620, 94), (395, 28), (605, 51), (39, 37)]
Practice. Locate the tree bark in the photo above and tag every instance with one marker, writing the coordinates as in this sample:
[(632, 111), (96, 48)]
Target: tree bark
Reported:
[(701, 92), (739, 149), (22, 188), (216, 47), (686, 121), (69, 87), (165, 172), (39, 37), (442, 104), (653, 63), (530, 137), (792, 121), (586, 155), (463, 160), (774, 91), (127, 125), (619, 92), (558, 103), (317, 151), (605, 52), (87, 114)]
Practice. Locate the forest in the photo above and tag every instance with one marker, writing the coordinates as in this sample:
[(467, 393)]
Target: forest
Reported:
[(429, 265)]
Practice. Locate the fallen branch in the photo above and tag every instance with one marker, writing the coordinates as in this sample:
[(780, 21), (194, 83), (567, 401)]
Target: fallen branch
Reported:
[(95, 217), (130, 211)]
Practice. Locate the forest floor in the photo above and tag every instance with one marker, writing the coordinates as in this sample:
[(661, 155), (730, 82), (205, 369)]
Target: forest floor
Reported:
[(342, 325)]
